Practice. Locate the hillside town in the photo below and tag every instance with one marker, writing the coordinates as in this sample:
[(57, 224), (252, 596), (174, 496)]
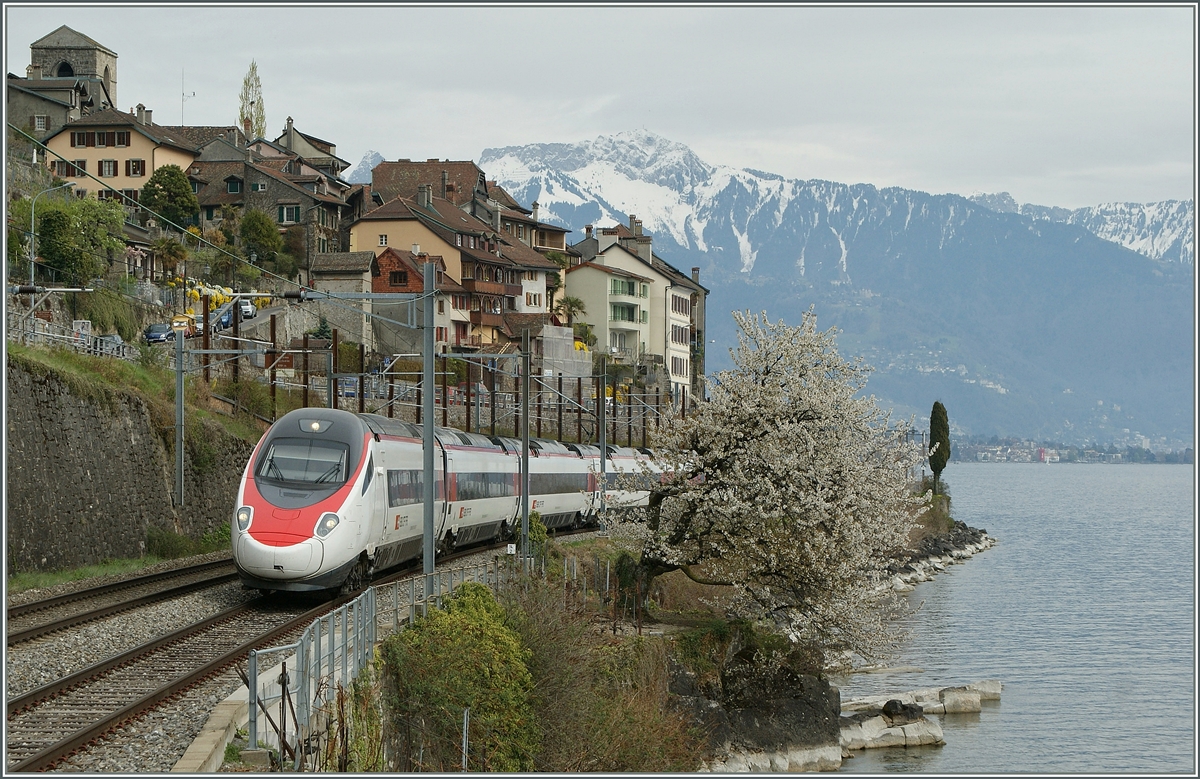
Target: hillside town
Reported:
[(501, 272)]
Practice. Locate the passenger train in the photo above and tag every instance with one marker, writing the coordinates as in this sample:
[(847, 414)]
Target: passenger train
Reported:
[(329, 496)]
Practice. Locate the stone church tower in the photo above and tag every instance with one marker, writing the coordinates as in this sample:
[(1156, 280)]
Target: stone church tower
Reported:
[(65, 53)]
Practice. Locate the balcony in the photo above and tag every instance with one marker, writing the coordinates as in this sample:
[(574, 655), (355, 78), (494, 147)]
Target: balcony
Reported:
[(480, 287), (487, 319)]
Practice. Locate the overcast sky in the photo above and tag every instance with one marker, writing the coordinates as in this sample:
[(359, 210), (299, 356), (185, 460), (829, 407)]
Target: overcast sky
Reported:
[(1058, 106)]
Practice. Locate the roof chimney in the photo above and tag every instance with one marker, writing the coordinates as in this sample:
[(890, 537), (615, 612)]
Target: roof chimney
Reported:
[(416, 249), (425, 195), (632, 219), (587, 231), (141, 113), (34, 72), (246, 128), (148, 121), (291, 132), (636, 224), (496, 217), (445, 181), (696, 275)]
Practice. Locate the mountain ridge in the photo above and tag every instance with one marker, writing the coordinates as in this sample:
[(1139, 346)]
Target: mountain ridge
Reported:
[(1035, 310)]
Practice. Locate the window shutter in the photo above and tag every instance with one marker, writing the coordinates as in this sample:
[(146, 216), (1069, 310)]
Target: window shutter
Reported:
[(128, 168), (280, 214), (91, 139)]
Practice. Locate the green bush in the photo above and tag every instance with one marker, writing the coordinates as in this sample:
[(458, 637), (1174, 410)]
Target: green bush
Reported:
[(597, 708), (539, 537), (167, 544), (451, 660), (214, 540)]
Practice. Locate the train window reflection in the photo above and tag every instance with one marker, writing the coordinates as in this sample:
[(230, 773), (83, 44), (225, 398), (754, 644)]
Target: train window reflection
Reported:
[(301, 461)]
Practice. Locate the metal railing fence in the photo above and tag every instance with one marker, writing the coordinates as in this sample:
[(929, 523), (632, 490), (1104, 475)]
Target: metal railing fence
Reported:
[(332, 652)]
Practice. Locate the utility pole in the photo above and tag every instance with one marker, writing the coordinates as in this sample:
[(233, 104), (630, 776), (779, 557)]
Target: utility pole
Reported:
[(602, 422), (525, 445), (179, 415), (427, 426)]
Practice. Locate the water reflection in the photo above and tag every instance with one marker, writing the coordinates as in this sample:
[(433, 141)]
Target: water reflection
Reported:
[(1083, 609)]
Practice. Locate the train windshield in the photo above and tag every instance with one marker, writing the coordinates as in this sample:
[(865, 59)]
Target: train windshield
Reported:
[(300, 461)]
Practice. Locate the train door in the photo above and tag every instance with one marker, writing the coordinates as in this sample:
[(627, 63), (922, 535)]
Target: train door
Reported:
[(379, 503), (442, 516)]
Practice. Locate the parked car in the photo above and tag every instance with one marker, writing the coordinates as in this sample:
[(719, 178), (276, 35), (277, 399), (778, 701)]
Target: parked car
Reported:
[(159, 333), (248, 309), (222, 320)]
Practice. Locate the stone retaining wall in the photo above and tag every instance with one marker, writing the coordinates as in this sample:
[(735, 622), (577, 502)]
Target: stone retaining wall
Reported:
[(90, 470)]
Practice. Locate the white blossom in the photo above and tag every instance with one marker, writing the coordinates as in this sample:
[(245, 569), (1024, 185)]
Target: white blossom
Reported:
[(796, 489)]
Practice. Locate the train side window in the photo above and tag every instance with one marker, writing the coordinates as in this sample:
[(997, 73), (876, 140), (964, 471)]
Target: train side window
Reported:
[(405, 487)]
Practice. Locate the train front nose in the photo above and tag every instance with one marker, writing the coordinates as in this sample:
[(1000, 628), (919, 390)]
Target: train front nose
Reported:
[(294, 558)]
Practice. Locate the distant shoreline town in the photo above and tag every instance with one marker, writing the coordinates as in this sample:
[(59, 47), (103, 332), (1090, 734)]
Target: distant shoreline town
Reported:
[(994, 450)]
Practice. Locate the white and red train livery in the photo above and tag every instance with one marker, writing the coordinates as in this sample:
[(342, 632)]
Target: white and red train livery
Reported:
[(330, 496)]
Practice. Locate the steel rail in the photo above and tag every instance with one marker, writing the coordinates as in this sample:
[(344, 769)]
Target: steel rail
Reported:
[(37, 631), (49, 756), (124, 584)]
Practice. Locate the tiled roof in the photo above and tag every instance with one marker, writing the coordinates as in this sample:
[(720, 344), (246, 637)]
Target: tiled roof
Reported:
[(501, 196), (608, 270), (524, 257), (342, 262), (677, 276), (393, 209), (198, 135), (111, 117), (402, 177), (534, 322)]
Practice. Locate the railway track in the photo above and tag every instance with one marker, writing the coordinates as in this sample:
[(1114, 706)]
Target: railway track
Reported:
[(52, 722), (39, 618)]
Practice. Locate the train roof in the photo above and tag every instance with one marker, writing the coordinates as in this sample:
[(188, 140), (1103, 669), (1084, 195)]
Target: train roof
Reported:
[(447, 436)]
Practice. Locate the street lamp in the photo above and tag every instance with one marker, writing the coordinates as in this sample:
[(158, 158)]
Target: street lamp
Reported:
[(33, 225)]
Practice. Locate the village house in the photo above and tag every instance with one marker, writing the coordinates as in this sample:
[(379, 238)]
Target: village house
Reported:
[(69, 76), (498, 277), (642, 310), (349, 273), (121, 149), (402, 271), (500, 270)]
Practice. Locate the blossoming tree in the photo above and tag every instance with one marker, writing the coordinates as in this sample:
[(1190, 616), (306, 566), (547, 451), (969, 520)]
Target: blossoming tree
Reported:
[(789, 486)]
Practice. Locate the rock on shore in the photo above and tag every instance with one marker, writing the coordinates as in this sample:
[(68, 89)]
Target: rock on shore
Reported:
[(792, 722), (933, 555)]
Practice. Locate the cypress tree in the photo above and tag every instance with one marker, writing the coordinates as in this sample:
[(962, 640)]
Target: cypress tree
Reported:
[(939, 437)]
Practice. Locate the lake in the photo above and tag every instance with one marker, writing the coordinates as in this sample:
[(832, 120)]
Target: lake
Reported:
[(1084, 609)]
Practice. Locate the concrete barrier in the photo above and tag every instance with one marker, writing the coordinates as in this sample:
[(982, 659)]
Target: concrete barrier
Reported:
[(207, 751)]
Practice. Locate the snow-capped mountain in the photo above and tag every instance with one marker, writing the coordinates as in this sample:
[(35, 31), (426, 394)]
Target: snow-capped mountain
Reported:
[(1033, 323), (1161, 231), (361, 174)]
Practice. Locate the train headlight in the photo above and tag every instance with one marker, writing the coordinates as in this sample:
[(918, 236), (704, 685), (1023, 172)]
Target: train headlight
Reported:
[(326, 524), (244, 516)]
